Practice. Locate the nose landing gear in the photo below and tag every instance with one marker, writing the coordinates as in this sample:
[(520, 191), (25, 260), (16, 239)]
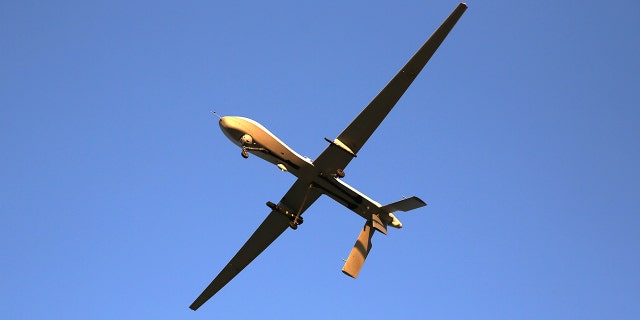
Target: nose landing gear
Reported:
[(245, 151), (245, 140)]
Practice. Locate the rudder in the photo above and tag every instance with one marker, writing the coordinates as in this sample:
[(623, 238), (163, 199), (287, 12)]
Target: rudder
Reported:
[(359, 252)]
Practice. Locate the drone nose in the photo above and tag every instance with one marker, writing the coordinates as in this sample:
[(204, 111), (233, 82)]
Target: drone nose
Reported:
[(231, 128), (224, 122)]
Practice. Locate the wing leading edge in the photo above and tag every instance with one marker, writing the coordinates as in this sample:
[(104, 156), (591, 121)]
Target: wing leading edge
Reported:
[(299, 197), (339, 153)]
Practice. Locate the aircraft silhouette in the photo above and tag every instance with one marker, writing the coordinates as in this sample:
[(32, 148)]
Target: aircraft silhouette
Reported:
[(323, 175)]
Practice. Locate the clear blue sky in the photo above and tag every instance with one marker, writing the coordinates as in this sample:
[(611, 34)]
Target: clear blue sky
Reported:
[(121, 199)]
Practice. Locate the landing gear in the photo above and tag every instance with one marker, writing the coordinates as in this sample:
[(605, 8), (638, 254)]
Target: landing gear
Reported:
[(245, 140), (298, 219), (294, 219), (340, 173), (245, 150)]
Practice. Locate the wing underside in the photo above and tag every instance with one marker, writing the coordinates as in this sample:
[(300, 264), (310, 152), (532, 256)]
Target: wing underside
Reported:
[(274, 225), (339, 153), (299, 197)]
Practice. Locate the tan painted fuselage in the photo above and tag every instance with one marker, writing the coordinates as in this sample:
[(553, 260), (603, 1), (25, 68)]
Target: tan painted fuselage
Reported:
[(257, 140)]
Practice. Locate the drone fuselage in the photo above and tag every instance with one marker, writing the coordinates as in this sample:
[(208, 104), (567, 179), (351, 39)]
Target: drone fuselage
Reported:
[(259, 141)]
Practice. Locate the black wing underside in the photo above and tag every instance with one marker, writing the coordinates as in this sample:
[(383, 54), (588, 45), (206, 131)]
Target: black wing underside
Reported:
[(299, 197), (362, 127)]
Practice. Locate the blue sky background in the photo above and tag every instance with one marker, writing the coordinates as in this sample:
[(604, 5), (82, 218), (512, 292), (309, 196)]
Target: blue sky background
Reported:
[(121, 199)]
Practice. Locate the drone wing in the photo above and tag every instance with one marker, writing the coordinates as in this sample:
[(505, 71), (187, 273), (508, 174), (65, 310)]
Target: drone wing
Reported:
[(341, 150), (299, 197)]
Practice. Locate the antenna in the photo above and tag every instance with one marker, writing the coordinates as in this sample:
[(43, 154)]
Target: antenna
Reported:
[(215, 114)]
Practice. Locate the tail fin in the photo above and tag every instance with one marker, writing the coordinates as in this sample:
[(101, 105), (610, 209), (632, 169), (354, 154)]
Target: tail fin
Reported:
[(363, 245), (359, 252), (406, 204)]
